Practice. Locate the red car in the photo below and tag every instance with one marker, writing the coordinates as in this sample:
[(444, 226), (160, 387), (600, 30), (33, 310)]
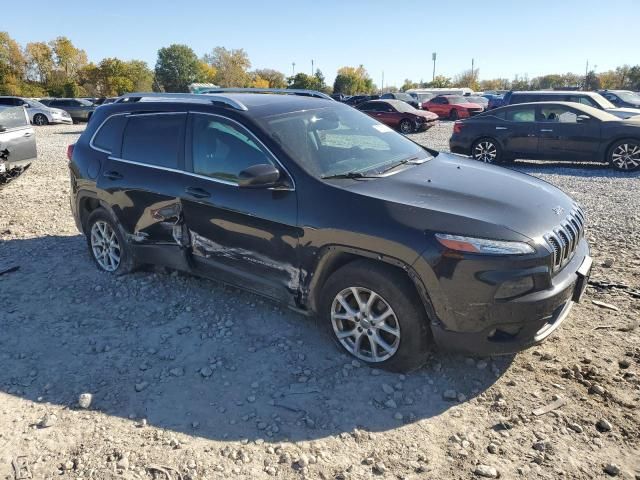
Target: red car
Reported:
[(399, 115), (452, 107)]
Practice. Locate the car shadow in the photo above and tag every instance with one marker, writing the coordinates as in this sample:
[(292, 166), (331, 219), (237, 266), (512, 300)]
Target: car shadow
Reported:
[(193, 356)]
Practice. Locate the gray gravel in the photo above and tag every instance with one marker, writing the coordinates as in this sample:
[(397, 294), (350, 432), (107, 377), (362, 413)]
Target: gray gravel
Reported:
[(187, 375)]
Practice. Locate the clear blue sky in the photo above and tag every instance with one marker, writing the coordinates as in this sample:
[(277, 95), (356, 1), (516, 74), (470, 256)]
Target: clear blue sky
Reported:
[(504, 37)]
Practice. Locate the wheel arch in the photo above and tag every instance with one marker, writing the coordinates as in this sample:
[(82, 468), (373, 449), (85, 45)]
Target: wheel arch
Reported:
[(331, 258), (87, 203), (609, 146)]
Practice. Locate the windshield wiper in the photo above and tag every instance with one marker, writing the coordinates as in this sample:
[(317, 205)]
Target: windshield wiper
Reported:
[(349, 175), (412, 160)]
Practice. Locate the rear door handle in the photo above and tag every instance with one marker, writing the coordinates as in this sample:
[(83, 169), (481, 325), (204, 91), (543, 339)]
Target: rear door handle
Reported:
[(501, 128), (111, 175), (197, 192)]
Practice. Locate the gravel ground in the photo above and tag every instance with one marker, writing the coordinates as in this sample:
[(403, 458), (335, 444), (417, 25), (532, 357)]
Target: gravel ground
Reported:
[(202, 381)]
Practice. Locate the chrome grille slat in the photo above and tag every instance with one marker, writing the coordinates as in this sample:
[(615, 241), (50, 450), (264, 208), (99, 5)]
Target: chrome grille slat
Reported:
[(565, 238)]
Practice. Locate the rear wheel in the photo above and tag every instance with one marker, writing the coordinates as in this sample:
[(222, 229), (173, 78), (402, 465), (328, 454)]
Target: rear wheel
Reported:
[(374, 313), (107, 244), (486, 150), (625, 155), (453, 114), (40, 119), (406, 126)]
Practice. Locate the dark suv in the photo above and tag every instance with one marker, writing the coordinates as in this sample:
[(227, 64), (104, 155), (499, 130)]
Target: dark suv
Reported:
[(316, 205)]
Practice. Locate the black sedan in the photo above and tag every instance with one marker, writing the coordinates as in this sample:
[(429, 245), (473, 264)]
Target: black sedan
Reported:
[(549, 131)]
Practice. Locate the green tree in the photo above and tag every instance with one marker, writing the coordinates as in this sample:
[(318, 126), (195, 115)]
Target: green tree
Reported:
[(308, 82), (12, 65), (440, 81), (177, 67), (591, 81), (275, 78), (353, 80), (231, 66), (468, 79), (407, 85)]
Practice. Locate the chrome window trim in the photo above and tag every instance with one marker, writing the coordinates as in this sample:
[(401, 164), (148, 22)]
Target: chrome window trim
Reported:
[(91, 144), (253, 137)]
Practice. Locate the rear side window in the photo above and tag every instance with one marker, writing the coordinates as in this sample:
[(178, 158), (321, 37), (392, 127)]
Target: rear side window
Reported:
[(14, 117), (109, 135), (521, 115), (154, 139), (222, 149)]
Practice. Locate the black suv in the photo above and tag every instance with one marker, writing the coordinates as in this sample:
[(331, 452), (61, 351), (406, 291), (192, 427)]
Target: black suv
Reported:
[(315, 204)]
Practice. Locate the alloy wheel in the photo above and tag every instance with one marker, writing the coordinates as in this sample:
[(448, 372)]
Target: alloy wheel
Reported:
[(626, 156), (406, 127), (485, 151), (40, 120), (105, 246), (365, 324)]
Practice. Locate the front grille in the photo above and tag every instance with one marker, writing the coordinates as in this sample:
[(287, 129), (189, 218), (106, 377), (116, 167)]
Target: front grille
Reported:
[(564, 239)]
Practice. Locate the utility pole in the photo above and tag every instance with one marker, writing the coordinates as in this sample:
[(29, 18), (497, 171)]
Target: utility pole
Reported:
[(586, 75), (312, 67), (433, 57), (293, 68), (382, 83), (472, 67)]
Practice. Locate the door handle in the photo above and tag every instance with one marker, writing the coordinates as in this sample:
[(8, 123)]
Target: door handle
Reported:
[(501, 128), (546, 130), (197, 192), (28, 134), (111, 175)]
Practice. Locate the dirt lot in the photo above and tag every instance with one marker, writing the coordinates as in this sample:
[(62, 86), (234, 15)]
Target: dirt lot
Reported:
[(193, 380)]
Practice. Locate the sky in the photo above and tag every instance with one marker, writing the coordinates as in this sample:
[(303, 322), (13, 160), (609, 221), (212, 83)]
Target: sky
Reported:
[(504, 38)]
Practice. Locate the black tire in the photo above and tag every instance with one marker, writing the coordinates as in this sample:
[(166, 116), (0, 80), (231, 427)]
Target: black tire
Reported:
[(406, 126), (483, 149), (40, 119), (393, 289), (126, 262), (453, 114), (624, 155)]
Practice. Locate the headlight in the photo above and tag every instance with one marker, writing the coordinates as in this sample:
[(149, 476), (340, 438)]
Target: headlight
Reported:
[(483, 245)]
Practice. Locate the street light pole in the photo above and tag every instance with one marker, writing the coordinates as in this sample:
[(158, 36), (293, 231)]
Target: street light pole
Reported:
[(293, 68), (433, 57), (312, 67)]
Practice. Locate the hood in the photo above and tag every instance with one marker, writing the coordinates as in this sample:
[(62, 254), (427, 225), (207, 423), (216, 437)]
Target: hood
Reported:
[(462, 196), (623, 112), (469, 105), (426, 114)]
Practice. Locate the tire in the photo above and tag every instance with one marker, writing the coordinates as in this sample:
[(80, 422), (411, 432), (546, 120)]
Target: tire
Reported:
[(40, 119), (486, 150), (406, 126), (624, 155), (101, 225), (405, 337), (453, 114)]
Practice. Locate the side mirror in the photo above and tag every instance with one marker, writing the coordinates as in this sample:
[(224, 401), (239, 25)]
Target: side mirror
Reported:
[(259, 176)]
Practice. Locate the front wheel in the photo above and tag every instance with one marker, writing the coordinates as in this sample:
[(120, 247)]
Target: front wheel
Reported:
[(374, 313), (107, 245), (40, 119), (406, 126), (625, 155), (486, 150)]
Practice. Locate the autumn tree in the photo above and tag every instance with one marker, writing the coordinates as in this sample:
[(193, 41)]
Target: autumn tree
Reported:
[(12, 65), (352, 80), (39, 58), (177, 67), (275, 78), (467, 79), (67, 57), (408, 84), (231, 66)]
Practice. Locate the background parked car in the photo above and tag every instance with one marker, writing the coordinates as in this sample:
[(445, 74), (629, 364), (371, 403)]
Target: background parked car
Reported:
[(399, 115), (104, 100), (622, 98), (591, 99), (549, 131), (17, 140), (479, 99), (495, 100), (422, 98), (452, 106), (404, 97), (39, 114), (79, 109), (356, 100)]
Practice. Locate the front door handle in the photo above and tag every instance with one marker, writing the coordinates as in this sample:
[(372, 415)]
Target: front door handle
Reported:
[(197, 192), (501, 128), (111, 175), (546, 130), (28, 134)]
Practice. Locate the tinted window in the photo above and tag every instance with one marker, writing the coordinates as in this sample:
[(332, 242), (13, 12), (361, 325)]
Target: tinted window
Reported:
[(367, 106), (521, 114), (583, 100), (13, 118), (439, 100), (8, 101), (109, 135), (154, 139), (57, 103), (558, 115), (222, 149)]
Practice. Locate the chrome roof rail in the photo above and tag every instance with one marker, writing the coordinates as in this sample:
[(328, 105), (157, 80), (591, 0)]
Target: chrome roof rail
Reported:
[(160, 97), (286, 91)]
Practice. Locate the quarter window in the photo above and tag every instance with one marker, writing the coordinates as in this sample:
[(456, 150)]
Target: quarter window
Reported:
[(110, 134), (222, 149), (154, 139)]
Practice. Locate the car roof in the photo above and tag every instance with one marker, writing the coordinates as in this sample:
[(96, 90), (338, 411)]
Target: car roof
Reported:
[(553, 92)]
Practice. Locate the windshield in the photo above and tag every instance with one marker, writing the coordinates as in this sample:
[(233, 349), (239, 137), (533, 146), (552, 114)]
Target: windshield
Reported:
[(403, 107), (84, 102), (340, 140), (629, 97), (600, 100), (453, 99), (36, 104)]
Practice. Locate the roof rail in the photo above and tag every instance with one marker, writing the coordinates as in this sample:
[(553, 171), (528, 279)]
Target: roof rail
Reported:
[(286, 91), (154, 96)]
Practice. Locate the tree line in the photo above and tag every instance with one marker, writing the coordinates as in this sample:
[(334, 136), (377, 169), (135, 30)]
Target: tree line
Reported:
[(60, 69)]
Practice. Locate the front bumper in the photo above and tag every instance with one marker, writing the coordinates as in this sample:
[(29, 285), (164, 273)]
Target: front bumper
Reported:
[(62, 120), (481, 324)]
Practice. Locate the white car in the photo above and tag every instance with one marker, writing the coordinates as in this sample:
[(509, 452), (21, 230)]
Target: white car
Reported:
[(39, 114)]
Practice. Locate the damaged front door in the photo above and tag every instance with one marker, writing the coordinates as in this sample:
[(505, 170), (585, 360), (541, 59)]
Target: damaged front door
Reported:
[(243, 236)]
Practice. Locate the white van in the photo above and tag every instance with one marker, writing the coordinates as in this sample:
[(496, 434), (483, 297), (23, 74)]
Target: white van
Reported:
[(442, 91)]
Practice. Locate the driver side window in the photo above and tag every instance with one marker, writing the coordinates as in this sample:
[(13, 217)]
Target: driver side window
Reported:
[(221, 149)]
